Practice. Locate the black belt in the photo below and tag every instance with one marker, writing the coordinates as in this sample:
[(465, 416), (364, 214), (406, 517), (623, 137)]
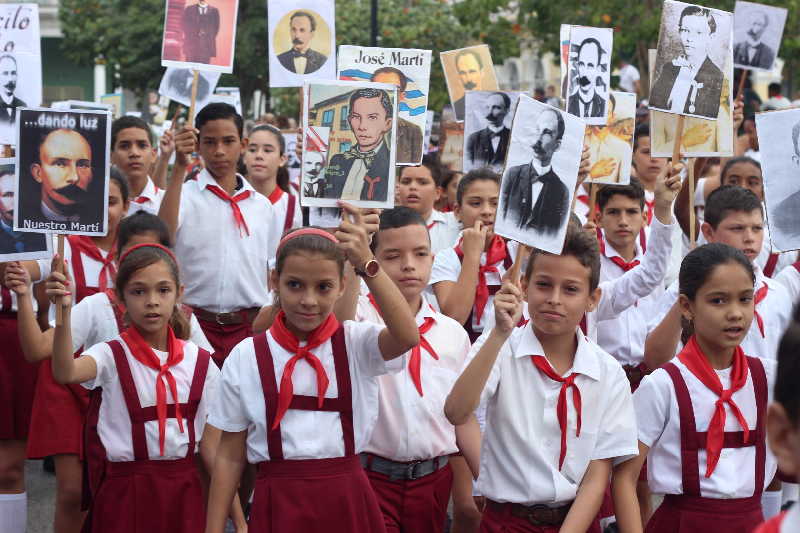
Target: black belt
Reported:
[(537, 515), (402, 471)]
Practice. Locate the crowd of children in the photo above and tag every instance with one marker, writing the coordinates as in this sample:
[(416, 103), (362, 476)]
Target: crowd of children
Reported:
[(219, 365)]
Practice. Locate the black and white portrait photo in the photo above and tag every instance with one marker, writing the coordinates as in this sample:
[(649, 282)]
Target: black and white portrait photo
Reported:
[(62, 177), (487, 128), (177, 85), (757, 33), (16, 245), (589, 73), (779, 141), (467, 69), (540, 175), (693, 59)]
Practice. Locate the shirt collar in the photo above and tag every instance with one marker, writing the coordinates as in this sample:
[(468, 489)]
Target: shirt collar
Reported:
[(205, 178), (585, 361), (495, 129), (611, 252), (150, 190), (425, 311), (436, 216), (8, 101), (540, 170)]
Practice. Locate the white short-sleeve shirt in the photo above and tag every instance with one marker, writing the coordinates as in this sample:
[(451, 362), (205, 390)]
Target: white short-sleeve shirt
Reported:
[(149, 200), (280, 202), (443, 229), (114, 423), (522, 438), (240, 404), (658, 420), (411, 427)]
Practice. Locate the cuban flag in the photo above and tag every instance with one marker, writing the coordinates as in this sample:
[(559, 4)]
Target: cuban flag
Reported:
[(412, 102)]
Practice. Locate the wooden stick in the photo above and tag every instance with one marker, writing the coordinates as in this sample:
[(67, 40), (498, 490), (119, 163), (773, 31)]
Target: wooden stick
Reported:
[(60, 268), (692, 229), (194, 97), (523, 251), (592, 200), (676, 148), (741, 83), (174, 125)]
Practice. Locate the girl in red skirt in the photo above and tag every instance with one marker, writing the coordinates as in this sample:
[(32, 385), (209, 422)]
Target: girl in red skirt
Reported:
[(301, 399), (152, 409), (701, 417)]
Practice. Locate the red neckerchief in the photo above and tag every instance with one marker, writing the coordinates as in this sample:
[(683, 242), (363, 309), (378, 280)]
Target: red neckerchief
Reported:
[(275, 195), (692, 356), (415, 361), (143, 353), (141, 199), (86, 246), (287, 340), (540, 362), (759, 296), (497, 252), (617, 260), (584, 199), (649, 210), (241, 223)]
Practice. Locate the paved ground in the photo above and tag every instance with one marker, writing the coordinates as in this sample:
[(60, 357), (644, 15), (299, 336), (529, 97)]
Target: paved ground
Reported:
[(41, 497)]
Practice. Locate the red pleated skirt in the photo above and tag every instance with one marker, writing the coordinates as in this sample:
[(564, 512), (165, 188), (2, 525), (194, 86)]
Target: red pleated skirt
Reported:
[(148, 497), (685, 514), (314, 496), (17, 382), (57, 417)]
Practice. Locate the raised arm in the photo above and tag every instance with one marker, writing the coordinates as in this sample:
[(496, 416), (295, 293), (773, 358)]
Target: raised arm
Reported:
[(185, 144), (36, 344), (456, 299), (166, 148)]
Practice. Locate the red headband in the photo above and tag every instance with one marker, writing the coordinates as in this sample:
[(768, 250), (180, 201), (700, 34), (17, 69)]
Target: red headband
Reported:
[(306, 231), (147, 245)]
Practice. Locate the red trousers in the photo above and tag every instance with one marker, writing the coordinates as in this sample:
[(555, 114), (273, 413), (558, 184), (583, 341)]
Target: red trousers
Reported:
[(416, 506), (224, 338), (494, 521)]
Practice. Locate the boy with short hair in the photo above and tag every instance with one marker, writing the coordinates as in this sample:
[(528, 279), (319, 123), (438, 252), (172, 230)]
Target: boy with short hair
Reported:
[(133, 153), (419, 188), (225, 233), (547, 450)]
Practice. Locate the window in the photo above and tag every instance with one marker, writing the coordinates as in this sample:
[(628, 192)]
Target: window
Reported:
[(327, 118), (344, 146), (343, 124)]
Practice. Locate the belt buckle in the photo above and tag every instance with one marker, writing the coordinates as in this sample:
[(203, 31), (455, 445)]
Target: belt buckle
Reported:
[(410, 470), (223, 319), (532, 518)]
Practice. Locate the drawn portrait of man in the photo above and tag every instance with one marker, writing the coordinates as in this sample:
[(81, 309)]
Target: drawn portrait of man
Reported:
[(534, 196), (14, 242), (362, 172), (488, 146), (179, 83), (301, 58), (785, 216), (469, 66), (9, 102), (409, 135), (608, 152), (586, 102), (313, 175), (691, 83), (753, 52), (200, 24)]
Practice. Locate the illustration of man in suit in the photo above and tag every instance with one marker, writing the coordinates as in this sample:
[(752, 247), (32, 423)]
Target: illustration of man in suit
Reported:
[(409, 135), (362, 173), (180, 83), (533, 195), (8, 86), (785, 217), (313, 177), (301, 59), (691, 83), (752, 52), (14, 242), (585, 102), (487, 147), (470, 73), (200, 28)]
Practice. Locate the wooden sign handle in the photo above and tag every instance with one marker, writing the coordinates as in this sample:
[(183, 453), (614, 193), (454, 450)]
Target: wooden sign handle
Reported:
[(593, 188), (741, 83), (692, 228), (60, 268), (195, 74), (676, 147)]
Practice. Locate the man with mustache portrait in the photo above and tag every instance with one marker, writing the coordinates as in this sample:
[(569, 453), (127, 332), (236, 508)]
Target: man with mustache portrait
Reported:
[(14, 242), (469, 66), (301, 59), (753, 52), (533, 194), (487, 147), (585, 102), (313, 177), (8, 86)]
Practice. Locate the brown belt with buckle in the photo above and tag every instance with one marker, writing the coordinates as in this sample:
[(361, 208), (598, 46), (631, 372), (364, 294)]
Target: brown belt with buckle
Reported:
[(635, 374), (227, 319), (538, 515)]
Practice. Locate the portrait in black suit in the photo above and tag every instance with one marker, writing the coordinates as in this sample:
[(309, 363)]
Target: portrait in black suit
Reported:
[(9, 102), (585, 101), (300, 58), (547, 211), (469, 66), (752, 51), (784, 218), (489, 145), (200, 24), (14, 242), (409, 135), (691, 83), (363, 172)]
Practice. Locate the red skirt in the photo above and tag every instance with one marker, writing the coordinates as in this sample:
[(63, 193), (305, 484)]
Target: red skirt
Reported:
[(684, 514), (224, 338), (502, 521), (57, 418), (17, 382), (314, 496), (148, 497)]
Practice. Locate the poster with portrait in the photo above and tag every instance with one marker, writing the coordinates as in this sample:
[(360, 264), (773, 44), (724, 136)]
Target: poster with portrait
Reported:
[(611, 146), (467, 69), (232, 96), (349, 130), (115, 102), (757, 34), (694, 60), (701, 137), (540, 175), (779, 139), (451, 145), (563, 56), (410, 71), (426, 144), (301, 36), (20, 64), (176, 84), (199, 34), (17, 245), (62, 172), (589, 73), (487, 128)]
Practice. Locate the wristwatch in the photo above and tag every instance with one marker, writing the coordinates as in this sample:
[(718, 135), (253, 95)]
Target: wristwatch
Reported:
[(369, 270)]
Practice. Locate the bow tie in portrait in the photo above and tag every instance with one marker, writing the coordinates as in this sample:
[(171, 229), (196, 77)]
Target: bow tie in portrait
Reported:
[(295, 53), (367, 157)]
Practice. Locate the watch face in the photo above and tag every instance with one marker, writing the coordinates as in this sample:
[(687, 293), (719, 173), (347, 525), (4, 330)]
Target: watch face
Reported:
[(371, 268)]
